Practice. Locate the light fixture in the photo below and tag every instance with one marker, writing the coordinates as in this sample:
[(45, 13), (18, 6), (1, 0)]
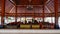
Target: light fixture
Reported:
[(29, 7)]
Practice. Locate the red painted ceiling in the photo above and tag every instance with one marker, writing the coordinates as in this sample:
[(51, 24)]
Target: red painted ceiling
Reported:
[(49, 8), (27, 2)]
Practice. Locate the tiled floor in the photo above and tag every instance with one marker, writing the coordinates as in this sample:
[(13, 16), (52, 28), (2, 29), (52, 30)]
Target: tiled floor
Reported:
[(30, 33), (27, 31)]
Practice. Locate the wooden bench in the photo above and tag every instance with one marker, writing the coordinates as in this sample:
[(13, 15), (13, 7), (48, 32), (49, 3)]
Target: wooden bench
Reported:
[(36, 26), (11, 26), (25, 26)]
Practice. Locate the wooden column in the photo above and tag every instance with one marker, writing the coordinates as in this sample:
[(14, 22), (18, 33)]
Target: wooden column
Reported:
[(15, 13), (56, 11), (3, 12), (25, 17), (43, 10)]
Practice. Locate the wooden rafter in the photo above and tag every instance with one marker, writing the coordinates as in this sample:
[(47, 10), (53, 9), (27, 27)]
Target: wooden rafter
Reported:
[(47, 1), (13, 2)]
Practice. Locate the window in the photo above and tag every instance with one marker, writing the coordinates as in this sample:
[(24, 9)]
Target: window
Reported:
[(18, 19), (39, 19), (9, 19), (59, 21), (49, 19), (23, 19), (0, 20), (29, 19)]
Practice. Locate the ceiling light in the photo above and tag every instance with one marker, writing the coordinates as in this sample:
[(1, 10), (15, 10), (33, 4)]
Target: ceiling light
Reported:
[(29, 7)]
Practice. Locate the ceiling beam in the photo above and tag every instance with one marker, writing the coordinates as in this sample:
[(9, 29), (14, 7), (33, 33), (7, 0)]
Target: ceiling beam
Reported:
[(48, 9), (47, 1), (12, 9)]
